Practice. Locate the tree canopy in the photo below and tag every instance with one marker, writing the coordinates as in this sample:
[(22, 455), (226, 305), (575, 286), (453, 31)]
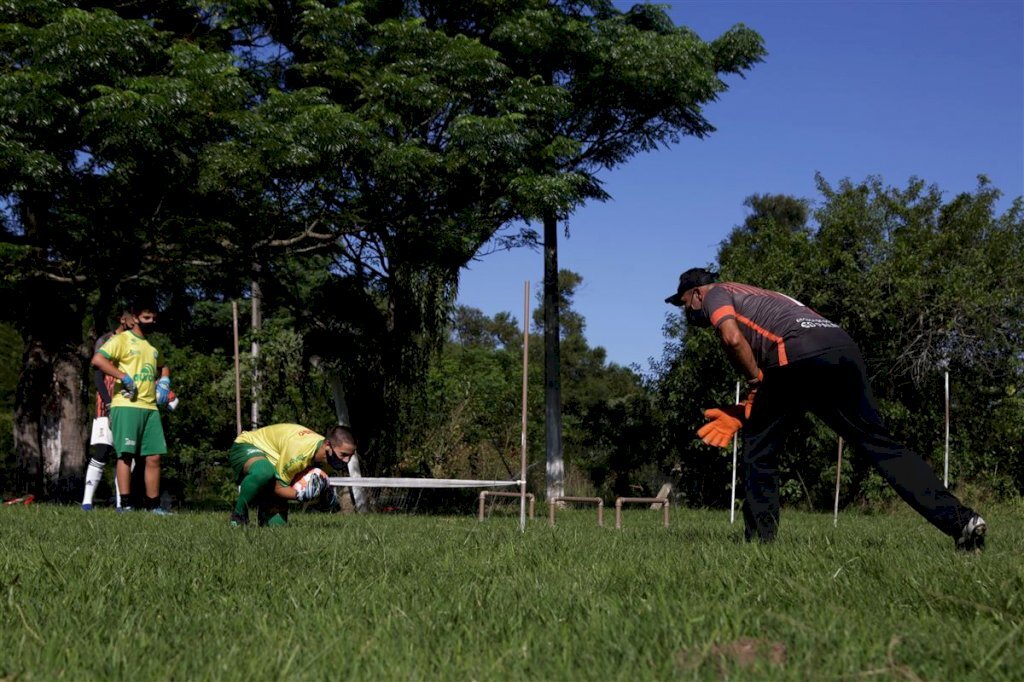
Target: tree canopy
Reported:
[(337, 163)]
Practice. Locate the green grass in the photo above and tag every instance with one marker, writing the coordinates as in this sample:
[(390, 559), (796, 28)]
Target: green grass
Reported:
[(103, 596)]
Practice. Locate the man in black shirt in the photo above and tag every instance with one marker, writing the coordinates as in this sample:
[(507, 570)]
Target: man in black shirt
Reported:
[(795, 361)]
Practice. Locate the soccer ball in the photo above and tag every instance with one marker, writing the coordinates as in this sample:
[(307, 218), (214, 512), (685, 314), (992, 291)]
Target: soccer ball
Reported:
[(310, 483)]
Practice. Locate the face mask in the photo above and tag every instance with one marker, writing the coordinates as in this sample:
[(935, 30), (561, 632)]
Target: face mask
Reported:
[(696, 318), (335, 460), (146, 327)]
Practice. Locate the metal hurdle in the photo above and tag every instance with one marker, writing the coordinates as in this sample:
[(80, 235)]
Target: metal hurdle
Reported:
[(495, 493), (639, 500), (553, 502)]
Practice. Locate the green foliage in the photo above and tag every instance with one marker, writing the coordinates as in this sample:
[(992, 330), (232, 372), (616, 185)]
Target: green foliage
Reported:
[(363, 149), (474, 401), (923, 284), (11, 348), (448, 598), (471, 414), (291, 389)]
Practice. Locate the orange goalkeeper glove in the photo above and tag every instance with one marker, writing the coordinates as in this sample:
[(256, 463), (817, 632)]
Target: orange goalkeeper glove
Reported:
[(725, 422), (752, 386)]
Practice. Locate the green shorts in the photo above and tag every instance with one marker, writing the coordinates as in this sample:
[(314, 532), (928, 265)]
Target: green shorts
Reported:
[(137, 431), (239, 454)]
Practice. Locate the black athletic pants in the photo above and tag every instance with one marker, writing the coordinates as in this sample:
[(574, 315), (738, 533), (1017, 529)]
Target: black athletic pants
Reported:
[(833, 386)]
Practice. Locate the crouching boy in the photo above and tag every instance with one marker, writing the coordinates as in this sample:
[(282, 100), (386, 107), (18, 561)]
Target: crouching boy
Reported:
[(284, 462)]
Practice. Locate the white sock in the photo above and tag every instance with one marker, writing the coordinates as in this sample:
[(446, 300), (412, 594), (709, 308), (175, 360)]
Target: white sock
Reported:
[(93, 475)]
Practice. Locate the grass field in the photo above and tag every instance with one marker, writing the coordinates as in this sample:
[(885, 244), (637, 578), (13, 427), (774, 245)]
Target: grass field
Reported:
[(138, 597)]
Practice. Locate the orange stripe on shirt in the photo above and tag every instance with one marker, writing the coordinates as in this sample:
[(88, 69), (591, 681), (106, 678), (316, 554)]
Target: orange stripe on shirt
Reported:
[(727, 310), (719, 313), (768, 335)]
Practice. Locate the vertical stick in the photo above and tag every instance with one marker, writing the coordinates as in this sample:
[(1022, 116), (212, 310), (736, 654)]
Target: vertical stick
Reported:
[(735, 441), (256, 301), (945, 467), (839, 469), (238, 376), (526, 358)]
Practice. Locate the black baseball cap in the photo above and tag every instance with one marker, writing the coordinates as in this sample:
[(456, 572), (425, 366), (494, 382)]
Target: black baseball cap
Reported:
[(694, 277)]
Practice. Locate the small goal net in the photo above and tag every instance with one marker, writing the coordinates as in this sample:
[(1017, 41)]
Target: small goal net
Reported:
[(392, 495)]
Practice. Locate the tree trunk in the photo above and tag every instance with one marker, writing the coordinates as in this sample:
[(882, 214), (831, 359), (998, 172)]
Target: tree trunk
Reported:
[(359, 500), (28, 404), (49, 419), (70, 440), (552, 364)]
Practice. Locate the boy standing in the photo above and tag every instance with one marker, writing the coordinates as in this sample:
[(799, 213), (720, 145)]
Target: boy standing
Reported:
[(134, 419), (102, 440)]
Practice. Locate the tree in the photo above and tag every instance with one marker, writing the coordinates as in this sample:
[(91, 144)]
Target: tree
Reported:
[(632, 82), (922, 284), (419, 141), (925, 285), (607, 410), (339, 163), (103, 115), (772, 244)]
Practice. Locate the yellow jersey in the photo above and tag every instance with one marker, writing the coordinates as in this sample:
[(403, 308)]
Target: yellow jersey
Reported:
[(137, 358), (289, 447)]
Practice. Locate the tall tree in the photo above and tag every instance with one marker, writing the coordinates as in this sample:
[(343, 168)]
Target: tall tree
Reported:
[(607, 410), (634, 82), (103, 115), (432, 139)]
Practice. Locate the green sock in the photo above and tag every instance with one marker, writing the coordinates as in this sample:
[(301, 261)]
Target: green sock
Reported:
[(261, 472)]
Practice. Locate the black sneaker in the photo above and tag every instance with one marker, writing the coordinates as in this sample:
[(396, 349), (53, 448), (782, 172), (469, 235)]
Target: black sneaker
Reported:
[(972, 537), (238, 520)]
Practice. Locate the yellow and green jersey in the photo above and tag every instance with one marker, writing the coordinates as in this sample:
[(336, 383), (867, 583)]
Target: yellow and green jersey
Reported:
[(135, 357), (289, 447)]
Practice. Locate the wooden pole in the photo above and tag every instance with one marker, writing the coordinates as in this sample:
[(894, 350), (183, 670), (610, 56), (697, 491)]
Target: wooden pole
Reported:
[(735, 442), (238, 376), (526, 367), (839, 469), (256, 302), (945, 466)]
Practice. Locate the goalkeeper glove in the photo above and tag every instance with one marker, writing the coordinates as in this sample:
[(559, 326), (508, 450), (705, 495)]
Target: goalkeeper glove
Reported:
[(128, 388), (163, 390), (310, 485), (752, 386), (725, 422), (331, 499)]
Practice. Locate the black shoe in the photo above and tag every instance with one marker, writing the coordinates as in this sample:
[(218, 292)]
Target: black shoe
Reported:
[(972, 536), (238, 520)]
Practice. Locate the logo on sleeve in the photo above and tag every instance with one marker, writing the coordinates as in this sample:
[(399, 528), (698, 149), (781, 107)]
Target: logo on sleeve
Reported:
[(816, 323)]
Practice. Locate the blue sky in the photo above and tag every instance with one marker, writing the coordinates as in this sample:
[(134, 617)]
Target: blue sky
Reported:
[(933, 89)]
